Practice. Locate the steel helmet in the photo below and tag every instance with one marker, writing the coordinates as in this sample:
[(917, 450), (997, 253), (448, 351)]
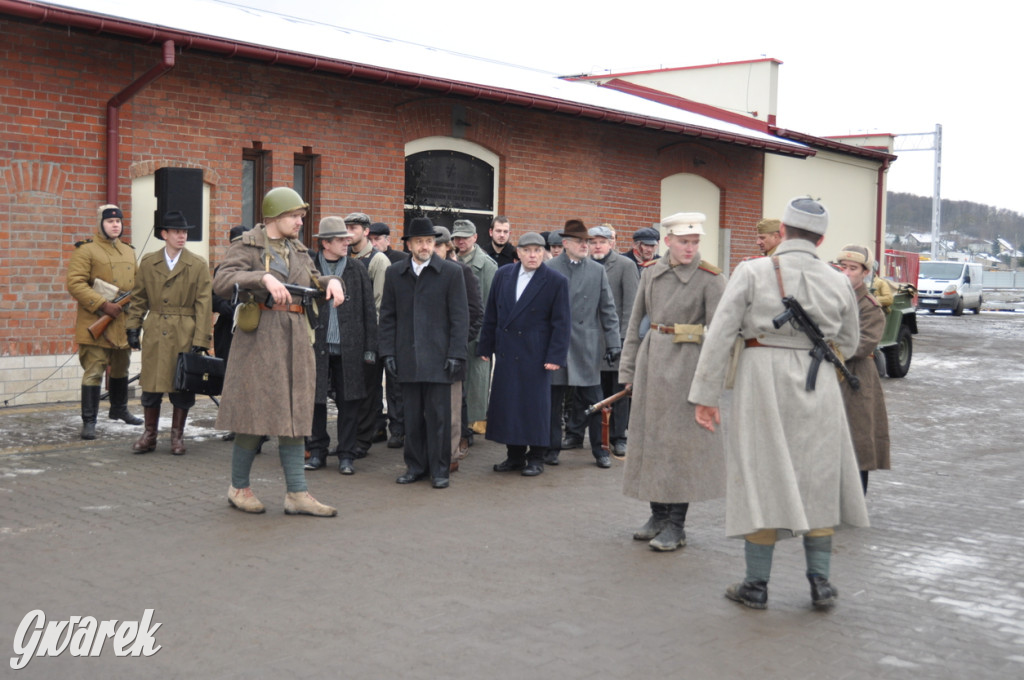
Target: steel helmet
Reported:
[(280, 200)]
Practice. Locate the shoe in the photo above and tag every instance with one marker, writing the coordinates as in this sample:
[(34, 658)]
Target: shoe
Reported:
[(359, 453), (315, 461), (439, 482), (532, 469), (302, 503), (509, 465), (396, 441), (245, 500), (345, 466), (823, 593), (571, 443), (753, 594), (551, 458), (379, 436), (454, 467), (603, 460), (619, 449), (409, 478)]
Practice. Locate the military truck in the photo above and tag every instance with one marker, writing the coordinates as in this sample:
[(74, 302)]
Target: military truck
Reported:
[(897, 344)]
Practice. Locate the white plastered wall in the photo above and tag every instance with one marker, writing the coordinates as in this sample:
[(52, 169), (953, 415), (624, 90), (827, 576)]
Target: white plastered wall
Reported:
[(691, 193), (143, 210)]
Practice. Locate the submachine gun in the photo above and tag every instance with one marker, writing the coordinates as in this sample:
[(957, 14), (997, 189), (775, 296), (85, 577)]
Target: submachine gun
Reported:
[(306, 296), (821, 350)]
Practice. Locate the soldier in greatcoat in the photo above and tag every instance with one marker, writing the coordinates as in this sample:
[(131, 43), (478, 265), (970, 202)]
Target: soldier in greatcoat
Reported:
[(865, 407), (671, 462), (790, 465), (270, 383), (109, 259), (172, 309)]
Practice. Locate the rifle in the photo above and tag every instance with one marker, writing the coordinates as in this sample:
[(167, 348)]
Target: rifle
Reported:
[(99, 326), (307, 296), (605, 407), (822, 350)]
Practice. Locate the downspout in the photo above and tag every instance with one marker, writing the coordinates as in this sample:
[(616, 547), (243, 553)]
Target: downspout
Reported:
[(113, 116), (879, 217)]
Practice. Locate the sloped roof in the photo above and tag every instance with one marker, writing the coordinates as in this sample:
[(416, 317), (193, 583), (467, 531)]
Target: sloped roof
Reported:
[(232, 30)]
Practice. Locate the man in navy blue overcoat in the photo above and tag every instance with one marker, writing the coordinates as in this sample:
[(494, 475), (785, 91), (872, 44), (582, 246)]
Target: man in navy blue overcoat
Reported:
[(526, 328)]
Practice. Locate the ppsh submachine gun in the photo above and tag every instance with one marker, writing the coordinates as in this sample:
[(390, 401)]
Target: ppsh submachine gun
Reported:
[(605, 407), (307, 298), (796, 315)]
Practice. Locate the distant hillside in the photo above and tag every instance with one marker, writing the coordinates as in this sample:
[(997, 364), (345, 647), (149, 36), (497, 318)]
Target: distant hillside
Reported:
[(908, 212)]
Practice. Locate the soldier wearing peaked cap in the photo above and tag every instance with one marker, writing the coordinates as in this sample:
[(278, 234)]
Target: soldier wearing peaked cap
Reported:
[(790, 468)]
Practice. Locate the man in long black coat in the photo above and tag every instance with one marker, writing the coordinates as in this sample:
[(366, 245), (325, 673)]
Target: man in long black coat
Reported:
[(527, 328), (424, 329)]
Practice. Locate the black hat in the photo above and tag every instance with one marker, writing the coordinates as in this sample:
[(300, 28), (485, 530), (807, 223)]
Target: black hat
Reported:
[(420, 226), (173, 219), (380, 229), (237, 231)]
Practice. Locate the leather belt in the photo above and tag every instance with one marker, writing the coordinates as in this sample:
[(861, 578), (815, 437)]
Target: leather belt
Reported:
[(294, 309), (667, 330), (752, 342)]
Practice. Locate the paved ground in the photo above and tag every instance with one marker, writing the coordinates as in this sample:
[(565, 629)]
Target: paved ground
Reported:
[(509, 577)]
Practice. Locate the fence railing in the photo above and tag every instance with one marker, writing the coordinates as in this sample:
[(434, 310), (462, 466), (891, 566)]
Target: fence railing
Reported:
[(1002, 280)]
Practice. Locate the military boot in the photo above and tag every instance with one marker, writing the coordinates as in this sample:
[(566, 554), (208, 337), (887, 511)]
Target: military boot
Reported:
[(90, 405), (178, 418), (672, 536), (119, 402), (823, 593), (655, 524), (302, 503), (147, 442)]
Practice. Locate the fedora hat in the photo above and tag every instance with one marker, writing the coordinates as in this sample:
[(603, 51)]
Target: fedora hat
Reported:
[(575, 229), (420, 226), (173, 219)]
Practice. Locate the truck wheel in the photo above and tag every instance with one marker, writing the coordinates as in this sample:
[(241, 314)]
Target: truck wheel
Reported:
[(959, 309), (977, 310), (897, 357)]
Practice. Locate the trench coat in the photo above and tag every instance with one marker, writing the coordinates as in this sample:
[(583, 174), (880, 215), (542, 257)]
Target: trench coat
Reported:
[(178, 309), (624, 279), (595, 323), (478, 373), (270, 382), (424, 319), (357, 326), (865, 407), (112, 261), (671, 458), (475, 305), (522, 336), (790, 463)]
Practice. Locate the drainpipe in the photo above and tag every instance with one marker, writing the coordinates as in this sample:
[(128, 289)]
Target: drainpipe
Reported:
[(113, 116), (880, 217)]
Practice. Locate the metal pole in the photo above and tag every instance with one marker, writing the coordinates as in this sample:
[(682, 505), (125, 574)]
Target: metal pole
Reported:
[(937, 194)]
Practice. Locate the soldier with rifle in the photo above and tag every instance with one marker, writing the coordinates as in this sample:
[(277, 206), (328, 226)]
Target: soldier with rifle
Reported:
[(790, 464), (101, 274)]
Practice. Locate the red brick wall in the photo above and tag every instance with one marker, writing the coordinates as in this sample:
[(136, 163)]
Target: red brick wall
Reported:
[(53, 92)]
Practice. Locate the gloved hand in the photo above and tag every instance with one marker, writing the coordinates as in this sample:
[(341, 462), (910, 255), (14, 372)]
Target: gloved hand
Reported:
[(133, 338), (111, 310), (196, 349), (612, 354), (452, 367), (391, 367), (369, 358)]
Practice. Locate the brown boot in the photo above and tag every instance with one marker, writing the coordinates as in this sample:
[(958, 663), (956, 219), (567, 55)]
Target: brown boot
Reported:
[(178, 431), (147, 442)]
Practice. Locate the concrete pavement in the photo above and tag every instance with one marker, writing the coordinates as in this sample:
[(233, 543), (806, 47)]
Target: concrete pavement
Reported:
[(502, 576)]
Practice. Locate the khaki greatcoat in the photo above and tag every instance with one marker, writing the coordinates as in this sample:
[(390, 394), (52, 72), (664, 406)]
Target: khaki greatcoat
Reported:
[(178, 309), (671, 458), (111, 261), (270, 383), (865, 407)]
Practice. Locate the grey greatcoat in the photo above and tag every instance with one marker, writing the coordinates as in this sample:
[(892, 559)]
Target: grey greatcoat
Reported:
[(594, 321), (865, 407), (270, 382), (478, 375), (790, 463), (671, 458), (624, 278), (178, 309)]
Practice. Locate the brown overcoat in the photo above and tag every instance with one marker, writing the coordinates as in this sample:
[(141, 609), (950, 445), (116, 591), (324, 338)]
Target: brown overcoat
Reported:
[(270, 382), (178, 309), (671, 458), (865, 408), (111, 261)]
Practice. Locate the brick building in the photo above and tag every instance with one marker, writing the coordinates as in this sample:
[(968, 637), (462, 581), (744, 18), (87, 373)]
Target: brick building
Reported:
[(94, 105)]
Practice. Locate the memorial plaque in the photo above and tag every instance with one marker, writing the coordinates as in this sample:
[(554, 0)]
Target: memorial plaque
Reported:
[(449, 179)]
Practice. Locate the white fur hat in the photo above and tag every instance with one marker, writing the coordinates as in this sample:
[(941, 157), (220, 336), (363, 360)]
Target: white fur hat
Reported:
[(803, 212)]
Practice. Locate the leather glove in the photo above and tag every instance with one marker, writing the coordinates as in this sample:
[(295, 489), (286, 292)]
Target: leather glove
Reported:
[(196, 349), (452, 367), (133, 338), (612, 354), (111, 310), (369, 358), (391, 367)]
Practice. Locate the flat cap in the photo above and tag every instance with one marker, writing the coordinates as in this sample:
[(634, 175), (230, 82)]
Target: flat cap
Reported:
[(357, 218), (602, 231), (463, 229), (531, 238), (380, 229), (647, 235), (442, 235)]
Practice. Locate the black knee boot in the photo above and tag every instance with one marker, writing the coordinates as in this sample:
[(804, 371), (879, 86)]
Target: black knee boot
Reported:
[(90, 406), (119, 402)]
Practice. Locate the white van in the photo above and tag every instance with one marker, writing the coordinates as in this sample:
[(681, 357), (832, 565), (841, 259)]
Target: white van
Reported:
[(949, 285)]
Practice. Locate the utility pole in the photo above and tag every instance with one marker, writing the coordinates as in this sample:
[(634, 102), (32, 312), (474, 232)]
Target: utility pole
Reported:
[(936, 140)]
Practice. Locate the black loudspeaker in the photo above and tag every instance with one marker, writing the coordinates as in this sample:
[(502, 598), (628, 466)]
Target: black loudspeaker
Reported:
[(180, 189)]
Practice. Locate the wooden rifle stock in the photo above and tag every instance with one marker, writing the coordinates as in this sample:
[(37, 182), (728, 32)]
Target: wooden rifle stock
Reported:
[(605, 407), (99, 326)]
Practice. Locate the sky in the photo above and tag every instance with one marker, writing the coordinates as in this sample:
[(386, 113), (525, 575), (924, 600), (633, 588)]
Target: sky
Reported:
[(848, 68)]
